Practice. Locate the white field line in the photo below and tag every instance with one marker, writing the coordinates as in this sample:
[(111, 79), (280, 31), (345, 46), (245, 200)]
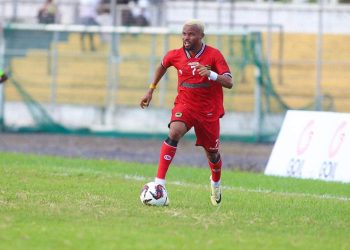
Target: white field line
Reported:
[(242, 189)]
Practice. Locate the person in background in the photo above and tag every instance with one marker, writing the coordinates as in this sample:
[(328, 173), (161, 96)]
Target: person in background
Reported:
[(48, 13), (88, 12), (139, 10), (202, 74)]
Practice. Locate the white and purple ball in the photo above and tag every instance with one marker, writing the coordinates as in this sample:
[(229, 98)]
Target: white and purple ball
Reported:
[(153, 194)]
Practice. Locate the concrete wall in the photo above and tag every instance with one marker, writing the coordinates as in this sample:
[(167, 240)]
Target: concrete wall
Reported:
[(133, 120)]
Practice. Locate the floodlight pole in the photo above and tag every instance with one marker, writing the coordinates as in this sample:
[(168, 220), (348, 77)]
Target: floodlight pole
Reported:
[(319, 52), (113, 11), (2, 94), (14, 10), (113, 61), (269, 32), (2, 101)]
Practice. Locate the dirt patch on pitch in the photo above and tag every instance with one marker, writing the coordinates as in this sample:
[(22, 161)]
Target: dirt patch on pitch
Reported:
[(236, 155)]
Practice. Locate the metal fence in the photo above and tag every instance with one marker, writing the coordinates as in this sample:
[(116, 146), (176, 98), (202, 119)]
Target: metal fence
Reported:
[(302, 66), (53, 76)]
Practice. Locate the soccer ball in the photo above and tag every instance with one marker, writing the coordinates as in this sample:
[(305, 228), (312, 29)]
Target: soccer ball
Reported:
[(153, 194)]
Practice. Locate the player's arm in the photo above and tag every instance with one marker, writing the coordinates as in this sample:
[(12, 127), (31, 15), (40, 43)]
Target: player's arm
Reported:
[(224, 80), (3, 76), (160, 71)]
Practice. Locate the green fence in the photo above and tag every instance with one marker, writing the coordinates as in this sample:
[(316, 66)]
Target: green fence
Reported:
[(54, 71)]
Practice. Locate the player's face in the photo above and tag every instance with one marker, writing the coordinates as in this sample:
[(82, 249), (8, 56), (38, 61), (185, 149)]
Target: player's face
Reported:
[(192, 37)]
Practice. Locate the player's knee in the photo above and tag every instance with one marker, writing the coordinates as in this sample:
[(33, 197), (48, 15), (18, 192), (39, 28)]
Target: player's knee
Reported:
[(171, 142), (213, 157), (177, 130), (175, 135)]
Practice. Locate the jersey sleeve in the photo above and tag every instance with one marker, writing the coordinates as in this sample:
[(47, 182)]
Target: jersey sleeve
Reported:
[(221, 65), (167, 59)]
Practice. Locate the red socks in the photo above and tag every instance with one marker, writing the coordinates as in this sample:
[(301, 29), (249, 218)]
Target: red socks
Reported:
[(215, 169), (167, 154)]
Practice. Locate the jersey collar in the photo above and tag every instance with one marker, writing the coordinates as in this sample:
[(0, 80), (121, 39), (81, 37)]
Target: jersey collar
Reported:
[(200, 52)]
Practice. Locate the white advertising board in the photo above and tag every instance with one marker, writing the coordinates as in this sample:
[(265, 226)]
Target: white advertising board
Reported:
[(312, 145)]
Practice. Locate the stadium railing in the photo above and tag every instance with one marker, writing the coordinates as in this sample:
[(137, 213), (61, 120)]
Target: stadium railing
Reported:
[(54, 82)]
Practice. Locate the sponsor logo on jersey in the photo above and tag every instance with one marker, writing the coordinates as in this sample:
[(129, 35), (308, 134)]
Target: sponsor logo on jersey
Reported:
[(178, 114), (193, 63)]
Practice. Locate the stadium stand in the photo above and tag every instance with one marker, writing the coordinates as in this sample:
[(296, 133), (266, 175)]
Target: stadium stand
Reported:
[(299, 71), (20, 42), (84, 74)]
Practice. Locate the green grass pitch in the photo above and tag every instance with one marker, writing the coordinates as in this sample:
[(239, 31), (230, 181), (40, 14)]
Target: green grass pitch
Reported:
[(59, 203)]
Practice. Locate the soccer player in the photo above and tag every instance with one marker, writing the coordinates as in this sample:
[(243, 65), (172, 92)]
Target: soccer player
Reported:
[(3, 76), (202, 74)]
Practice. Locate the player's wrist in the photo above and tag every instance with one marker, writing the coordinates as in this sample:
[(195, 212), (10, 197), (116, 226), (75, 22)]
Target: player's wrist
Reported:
[(213, 75), (152, 86)]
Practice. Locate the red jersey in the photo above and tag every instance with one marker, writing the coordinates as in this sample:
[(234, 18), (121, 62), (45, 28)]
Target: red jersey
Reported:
[(198, 93)]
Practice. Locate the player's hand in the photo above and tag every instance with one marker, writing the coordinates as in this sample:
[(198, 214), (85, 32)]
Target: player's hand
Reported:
[(202, 70), (146, 100)]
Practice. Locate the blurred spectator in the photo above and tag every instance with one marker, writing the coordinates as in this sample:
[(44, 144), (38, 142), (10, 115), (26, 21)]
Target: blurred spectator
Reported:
[(88, 12), (48, 12), (139, 13), (133, 12)]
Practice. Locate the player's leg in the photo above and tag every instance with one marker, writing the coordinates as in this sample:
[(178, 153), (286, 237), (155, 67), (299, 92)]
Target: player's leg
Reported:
[(208, 133), (180, 123), (82, 40), (177, 129), (215, 164), (91, 42)]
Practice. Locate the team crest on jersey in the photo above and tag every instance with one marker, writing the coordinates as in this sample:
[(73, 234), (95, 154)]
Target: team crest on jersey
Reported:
[(178, 114)]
